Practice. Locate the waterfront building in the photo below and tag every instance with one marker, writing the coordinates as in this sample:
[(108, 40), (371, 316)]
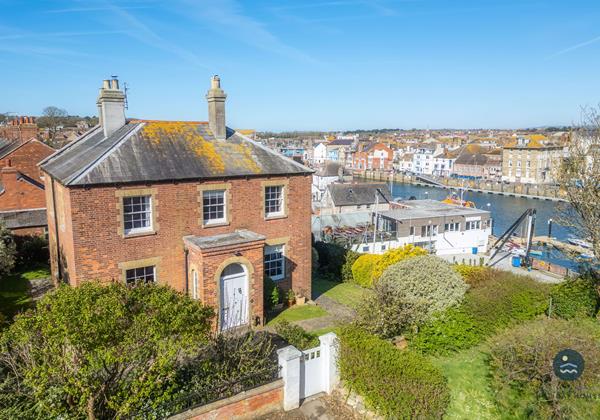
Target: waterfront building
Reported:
[(443, 229), (531, 160), (348, 198), (374, 156)]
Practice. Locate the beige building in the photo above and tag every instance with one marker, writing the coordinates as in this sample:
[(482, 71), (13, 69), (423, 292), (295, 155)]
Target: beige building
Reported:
[(531, 161)]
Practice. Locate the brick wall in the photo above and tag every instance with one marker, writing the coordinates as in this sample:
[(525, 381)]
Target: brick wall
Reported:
[(92, 247), (246, 405), (21, 194)]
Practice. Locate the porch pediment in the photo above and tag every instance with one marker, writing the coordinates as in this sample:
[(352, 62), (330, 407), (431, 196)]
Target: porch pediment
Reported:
[(223, 240)]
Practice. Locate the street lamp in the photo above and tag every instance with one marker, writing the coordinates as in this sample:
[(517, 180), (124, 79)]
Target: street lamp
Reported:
[(550, 228)]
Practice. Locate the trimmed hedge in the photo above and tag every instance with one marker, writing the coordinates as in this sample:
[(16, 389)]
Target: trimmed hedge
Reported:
[(575, 298), (362, 269), (489, 306), (522, 374), (394, 256), (296, 335), (395, 383), (331, 258)]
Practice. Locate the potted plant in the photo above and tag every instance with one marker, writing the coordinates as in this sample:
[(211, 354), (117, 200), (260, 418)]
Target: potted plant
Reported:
[(301, 297), (275, 298), (291, 297)]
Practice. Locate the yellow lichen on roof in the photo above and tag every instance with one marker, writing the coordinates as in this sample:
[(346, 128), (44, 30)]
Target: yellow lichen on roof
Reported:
[(158, 131)]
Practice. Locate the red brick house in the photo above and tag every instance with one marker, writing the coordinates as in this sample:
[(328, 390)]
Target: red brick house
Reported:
[(195, 205), (22, 197), (375, 156)]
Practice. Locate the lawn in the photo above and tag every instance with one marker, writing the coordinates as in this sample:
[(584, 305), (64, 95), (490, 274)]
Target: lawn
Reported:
[(344, 293), (298, 313), (468, 379), (14, 296)]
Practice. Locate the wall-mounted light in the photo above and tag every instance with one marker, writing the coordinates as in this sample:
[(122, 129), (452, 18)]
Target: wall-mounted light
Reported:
[(237, 254)]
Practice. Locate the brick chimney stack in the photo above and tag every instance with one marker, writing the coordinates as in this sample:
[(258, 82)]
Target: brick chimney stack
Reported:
[(111, 107), (216, 108)]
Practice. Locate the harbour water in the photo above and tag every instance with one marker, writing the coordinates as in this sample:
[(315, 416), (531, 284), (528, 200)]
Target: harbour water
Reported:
[(505, 211)]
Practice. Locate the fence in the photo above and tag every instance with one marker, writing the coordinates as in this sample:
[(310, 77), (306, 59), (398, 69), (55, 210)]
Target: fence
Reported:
[(309, 372)]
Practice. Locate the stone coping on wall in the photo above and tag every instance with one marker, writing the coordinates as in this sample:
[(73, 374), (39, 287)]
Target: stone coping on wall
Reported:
[(213, 409)]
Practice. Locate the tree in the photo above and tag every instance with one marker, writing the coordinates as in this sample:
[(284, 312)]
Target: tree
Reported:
[(99, 351), (52, 117), (8, 250), (579, 175)]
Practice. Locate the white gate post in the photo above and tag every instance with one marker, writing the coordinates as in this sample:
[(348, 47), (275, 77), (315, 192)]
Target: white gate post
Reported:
[(289, 360), (329, 355)]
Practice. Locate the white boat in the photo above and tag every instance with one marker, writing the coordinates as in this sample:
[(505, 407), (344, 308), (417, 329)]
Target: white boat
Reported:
[(579, 242)]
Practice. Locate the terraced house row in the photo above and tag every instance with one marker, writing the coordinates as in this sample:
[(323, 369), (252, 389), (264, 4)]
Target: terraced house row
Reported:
[(194, 205)]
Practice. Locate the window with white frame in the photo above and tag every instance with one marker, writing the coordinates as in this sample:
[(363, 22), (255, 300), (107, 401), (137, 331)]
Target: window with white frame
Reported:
[(452, 227), (213, 206), (475, 224), (137, 214), (274, 263), (274, 200), (141, 274)]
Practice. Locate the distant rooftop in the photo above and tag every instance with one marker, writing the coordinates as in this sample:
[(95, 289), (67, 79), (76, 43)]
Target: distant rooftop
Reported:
[(421, 209)]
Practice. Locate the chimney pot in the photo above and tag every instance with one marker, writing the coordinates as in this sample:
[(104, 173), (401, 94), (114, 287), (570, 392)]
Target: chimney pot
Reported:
[(114, 84), (106, 84)]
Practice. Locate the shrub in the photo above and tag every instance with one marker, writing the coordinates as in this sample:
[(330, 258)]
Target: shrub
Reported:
[(296, 335), (574, 298), (31, 250), (490, 305), (349, 260), (522, 372), (7, 250), (331, 258), (271, 295), (314, 262), (101, 351), (409, 293), (473, 275), (362, 269), (395, 383), (449, 331), (394, 256)]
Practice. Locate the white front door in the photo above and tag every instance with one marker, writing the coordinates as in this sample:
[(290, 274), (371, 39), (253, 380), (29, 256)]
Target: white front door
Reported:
[(234, 297)]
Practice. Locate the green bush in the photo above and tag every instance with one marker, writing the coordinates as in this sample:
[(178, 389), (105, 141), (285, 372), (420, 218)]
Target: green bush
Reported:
[(31, 250), (362, 269), (331, 258), (296, 335), (394, 256), (409, 293), (489, 306), (350, 258), (575, 298), (449, 331), (101, 351), (522, 372), (474, 275), (271, 294), (395, 383)]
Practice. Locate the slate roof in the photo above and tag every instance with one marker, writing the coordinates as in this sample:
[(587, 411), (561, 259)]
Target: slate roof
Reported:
[(357, 194), (146, 151), (7, 146), (341, 142), (24, 218), (330, 169)]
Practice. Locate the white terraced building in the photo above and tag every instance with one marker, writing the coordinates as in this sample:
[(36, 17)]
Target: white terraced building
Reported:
[(444, 229)]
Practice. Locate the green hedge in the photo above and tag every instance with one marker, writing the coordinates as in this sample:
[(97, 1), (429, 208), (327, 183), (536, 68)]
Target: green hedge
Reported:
[(575, 299), (331, 258), (296, 335), (398, 384), (489, 306)]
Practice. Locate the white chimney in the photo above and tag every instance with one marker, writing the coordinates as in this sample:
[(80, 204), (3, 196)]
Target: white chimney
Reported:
[(216, 108), (111, 107)]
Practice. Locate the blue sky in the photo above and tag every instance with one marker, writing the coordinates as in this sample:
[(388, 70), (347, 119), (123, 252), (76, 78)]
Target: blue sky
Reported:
[(314, 64)]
